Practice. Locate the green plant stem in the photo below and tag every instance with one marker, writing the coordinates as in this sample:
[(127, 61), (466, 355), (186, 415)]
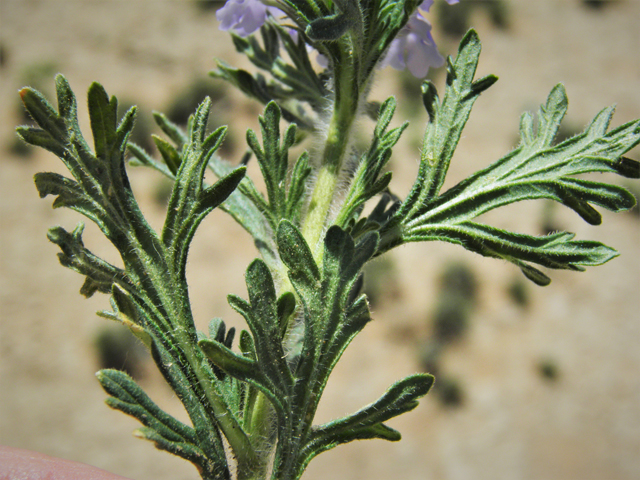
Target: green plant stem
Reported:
[(261, 429), (239, 442), (338, 134), (185, 334), (345, 107)]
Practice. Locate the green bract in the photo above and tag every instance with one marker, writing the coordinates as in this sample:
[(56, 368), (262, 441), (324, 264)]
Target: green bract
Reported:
[(252, 405)]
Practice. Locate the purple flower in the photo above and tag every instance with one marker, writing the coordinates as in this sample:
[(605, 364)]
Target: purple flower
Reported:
[(244, 16), (414, 47)]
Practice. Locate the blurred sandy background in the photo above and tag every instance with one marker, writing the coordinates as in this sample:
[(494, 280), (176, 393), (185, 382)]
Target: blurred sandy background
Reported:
[(550, 390)]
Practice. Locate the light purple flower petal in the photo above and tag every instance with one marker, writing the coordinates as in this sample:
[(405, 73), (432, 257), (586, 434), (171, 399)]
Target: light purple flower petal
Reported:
[(421, 56), (244, 16), (426, 5), (414, 48), (422, 52), (420, 26), (395, 54)]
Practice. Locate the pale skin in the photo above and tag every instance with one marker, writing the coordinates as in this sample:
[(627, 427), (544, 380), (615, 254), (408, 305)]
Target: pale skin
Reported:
[(18, 464)]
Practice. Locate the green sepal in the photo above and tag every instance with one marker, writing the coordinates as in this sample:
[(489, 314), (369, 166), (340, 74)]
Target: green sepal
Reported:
[(304, 10), (329, 28)]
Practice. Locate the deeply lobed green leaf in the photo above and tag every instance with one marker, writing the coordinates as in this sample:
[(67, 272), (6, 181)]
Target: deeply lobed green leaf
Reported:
[(536, 169)]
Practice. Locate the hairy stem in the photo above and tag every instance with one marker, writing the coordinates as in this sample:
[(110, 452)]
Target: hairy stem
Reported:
[(333, 156), (185, 334), (261, 429)]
